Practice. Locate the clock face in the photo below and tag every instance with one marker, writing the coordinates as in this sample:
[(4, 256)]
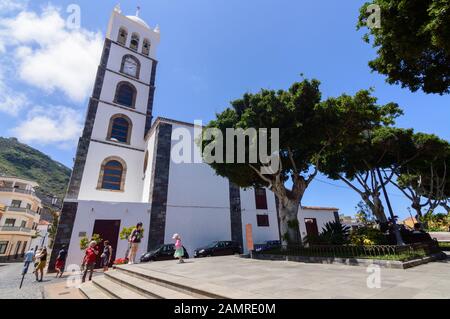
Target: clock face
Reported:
[(130, 67)]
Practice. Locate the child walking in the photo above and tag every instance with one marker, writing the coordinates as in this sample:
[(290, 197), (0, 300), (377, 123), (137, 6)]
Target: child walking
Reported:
[(179, 251)]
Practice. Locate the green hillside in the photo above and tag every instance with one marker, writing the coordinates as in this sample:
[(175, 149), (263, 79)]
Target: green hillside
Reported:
[(21, 160)]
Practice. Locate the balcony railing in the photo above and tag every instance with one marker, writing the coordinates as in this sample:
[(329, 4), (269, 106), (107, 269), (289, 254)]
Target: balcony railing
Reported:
[(17, 190), (15, 229), (20, 210)]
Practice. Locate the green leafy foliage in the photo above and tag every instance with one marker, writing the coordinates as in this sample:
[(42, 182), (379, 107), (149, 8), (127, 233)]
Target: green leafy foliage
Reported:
[(364, 214), (435, 222), (413, 43), (126, 232), (367, 236), (333, 233), (84, 241), (23, 161)]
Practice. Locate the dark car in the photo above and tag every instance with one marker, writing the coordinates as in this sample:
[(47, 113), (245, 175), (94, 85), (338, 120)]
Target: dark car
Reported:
[(164, 252), (218, 248), (268, 245)]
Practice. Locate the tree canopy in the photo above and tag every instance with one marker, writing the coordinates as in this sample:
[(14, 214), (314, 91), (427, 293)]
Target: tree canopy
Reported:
[(309, 129), (425, 179), (412, 42)]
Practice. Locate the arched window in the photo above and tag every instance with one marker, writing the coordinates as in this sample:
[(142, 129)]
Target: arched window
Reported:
[(120, 127), (146, 47), (112, 174), (122, 37), (130, 66), (134, 44), (125, 94)]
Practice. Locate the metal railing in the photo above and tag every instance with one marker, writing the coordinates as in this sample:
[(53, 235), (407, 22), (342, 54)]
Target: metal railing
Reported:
[(15, 229), (17, 190), (20, 210), (388, 252)]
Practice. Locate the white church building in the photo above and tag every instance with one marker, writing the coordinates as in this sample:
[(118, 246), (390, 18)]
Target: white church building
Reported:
[(124, 172)]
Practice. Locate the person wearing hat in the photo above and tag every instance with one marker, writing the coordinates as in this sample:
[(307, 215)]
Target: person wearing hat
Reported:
[(179, 251)]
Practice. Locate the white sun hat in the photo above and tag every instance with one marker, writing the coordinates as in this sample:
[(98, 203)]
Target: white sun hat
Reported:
[(175, 236)]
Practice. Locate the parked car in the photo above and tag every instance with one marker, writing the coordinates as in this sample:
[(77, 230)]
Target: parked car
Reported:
[(268, 245), (164, 252), (218, 248)]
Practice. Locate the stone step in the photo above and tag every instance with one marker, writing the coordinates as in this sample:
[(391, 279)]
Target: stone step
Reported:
[(197, 289), (145, 287), (175, 283), (90, 291), (115, 290)]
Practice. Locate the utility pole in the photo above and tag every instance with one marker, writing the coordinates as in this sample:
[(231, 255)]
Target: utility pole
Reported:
[(398, 236)]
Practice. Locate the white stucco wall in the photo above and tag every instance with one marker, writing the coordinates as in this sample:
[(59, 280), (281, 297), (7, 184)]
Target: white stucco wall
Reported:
[(198, 205), (103, 118), (133, 179), (249, 212), (150, 147), (89, 211), (117, 20), (197, 226), (115, 61), (322, 217), (109, 90)]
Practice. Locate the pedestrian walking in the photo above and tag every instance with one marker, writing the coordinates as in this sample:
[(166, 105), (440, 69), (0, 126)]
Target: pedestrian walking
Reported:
[(179, 250), (89, 259), (106, 255), (135, 240), (28, 259), (42, 256), (61, 262)]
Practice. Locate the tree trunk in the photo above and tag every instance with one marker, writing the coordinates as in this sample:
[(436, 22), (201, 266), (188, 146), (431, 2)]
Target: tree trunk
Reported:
[(376, 207), (446, 207), (417, 207), (289, 226)]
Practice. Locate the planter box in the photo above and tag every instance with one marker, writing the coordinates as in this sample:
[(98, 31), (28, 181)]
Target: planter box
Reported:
[(354, 261)]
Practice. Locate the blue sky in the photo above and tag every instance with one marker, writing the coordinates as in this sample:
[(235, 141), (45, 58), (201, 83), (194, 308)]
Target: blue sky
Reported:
[(211, 52)]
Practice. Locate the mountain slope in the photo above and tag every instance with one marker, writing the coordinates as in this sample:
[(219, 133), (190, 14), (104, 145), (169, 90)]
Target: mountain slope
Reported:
[(21, 160)]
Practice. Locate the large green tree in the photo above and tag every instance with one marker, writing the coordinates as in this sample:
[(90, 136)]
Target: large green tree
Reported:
[(412, 42), (360, 165), (308, 129), (425, 179)]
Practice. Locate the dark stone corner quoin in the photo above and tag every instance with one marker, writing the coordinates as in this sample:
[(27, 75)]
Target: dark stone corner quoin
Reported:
[(69, 208), (160, 185), (64, 231)]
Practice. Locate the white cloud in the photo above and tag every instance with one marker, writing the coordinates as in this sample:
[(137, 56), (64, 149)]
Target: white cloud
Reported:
[(48, 55), (51, 125), (10, 5), (11, 102)]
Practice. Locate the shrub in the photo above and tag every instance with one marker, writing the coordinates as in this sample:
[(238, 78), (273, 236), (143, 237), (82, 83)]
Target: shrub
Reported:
[(368, 236), (333, 233), (84, 241)]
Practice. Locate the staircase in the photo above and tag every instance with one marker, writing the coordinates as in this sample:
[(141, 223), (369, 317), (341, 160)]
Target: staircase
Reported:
[(134, 282)]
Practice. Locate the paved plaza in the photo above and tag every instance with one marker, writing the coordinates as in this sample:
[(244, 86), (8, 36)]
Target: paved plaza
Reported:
[(263, 279), (49, 288), (282, 279)]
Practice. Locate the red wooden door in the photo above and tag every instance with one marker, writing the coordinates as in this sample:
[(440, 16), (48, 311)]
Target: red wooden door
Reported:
[(311, 227)]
